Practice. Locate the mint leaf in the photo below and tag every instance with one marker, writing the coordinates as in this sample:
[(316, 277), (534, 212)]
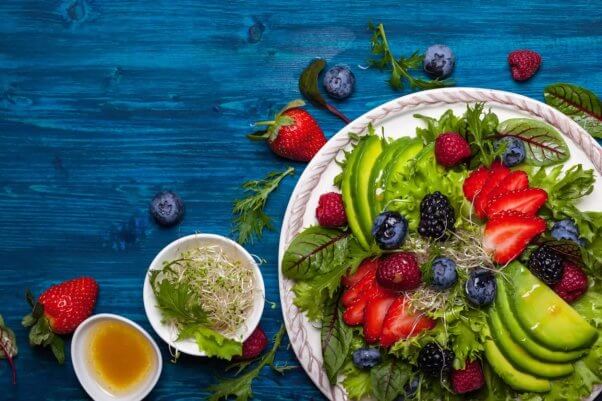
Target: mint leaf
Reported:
[(211, 342), (308, 86), (336, 339), (581, 104)]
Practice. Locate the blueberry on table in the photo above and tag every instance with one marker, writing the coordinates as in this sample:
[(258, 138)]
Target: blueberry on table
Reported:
[(439, 61), (514, 152), (567, 230), (434, 361), (366, 358), (389, 230), (444, 273), (167, 208), (481, 287), (339, 82)]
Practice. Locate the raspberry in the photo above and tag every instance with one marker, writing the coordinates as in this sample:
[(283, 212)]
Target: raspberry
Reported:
[(523, 64), (468, 379), (331, 211), (573, 283), (399, 272), (254, 345), (451, 148)]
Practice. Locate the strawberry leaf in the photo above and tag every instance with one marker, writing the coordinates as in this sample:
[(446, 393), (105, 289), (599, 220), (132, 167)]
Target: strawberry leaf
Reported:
[(57, 345), (543, 144), (581, 104), (308, 86)]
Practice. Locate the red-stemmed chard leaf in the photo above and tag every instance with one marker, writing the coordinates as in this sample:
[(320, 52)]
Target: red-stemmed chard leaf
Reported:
[(581, 104), (8, 347)]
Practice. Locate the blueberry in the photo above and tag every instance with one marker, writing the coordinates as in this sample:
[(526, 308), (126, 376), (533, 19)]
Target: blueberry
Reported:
[(339, 82), (255, 32), (410, 389), (389, 230), (514, 152), (167, 208), (444, 273), (567, 230), (366, 358), (481, 287), (439, 61)]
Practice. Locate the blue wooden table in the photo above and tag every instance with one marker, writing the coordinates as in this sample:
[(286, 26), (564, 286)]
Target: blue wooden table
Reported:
[(105, 102)]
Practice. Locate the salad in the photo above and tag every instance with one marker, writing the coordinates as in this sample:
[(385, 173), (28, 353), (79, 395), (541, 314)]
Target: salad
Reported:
[(456, 265)]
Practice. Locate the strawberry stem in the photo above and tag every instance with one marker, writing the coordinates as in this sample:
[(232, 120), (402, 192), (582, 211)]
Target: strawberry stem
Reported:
[(260, 123)]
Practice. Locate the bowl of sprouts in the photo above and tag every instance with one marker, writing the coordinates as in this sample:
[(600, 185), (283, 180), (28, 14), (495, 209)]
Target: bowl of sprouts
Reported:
[(204, 295)]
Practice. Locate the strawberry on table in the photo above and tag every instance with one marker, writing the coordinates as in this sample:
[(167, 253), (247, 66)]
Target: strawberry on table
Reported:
[(507, 234), (401, 323), (527, 201)]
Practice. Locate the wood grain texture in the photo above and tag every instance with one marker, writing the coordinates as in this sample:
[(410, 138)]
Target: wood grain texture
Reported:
[(103, 103)]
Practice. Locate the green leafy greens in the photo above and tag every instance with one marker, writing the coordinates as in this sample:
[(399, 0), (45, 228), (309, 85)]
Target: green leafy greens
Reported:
[(41, 333), (581, 104), (336, 339)]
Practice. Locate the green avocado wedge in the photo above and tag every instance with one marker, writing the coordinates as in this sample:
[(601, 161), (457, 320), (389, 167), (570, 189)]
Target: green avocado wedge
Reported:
[(544, 315), (519, 357), (362, 170), (513, 377), (397, 166), (349, 192), (520, 336)]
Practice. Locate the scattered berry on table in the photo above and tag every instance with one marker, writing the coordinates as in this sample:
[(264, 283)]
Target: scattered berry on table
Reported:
[(481, 287), (567, 230), (435, 361), (444, 273), (167, 208), (253, 346), (546, 264), (255, 32), (339, 82), (389, 230), (399, 271), (451, 149), (523, 64), (436, 216), (439, 61), (366, 358), (331, 210), (469, 379), (573, 283), (514, 150)]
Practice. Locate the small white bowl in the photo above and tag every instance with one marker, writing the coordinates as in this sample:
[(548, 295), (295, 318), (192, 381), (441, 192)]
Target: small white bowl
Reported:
[(83, 369), (173, 251)]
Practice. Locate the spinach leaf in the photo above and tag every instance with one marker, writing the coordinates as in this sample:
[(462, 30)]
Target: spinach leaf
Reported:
[(336, 341), (581, 104), (388, 379)]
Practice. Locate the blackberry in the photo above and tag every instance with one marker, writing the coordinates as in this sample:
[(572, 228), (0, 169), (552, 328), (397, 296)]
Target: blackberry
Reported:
[(435, 361), (436, 216), (546, 264)]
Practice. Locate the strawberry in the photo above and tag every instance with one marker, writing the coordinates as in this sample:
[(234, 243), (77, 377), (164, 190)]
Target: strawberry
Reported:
[(527, 201), (573, 283), (508, 233), (524, 64), (293, 134), (354, 314), (451, 149), (513, 181), (364, 268), (497, 173), (374, 317), (360, 289), (253, 346), (59, 310), (474, 182), (331, 210), (400, 323), (469, 379)]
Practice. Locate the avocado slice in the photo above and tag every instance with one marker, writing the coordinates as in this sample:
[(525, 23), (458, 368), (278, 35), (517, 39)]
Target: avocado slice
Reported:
[(398, 165), (520, 336), (362, 170), (349, 192), (516, 379), (544, 315), (519, 357), (377, 176)]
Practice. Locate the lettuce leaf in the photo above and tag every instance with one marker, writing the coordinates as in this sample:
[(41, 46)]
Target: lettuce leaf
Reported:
[(358, 383), (211, 342)]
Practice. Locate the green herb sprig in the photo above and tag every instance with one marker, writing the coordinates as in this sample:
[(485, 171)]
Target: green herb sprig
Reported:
[(249, 217), (400, 67)]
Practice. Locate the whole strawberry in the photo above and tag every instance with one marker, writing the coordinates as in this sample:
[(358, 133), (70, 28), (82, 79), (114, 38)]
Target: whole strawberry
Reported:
[(59, 310), (451, 149), (331, 211), (293, 134), (399, 271), (523, 64), (254, 345), (573, 283), (468, 379)]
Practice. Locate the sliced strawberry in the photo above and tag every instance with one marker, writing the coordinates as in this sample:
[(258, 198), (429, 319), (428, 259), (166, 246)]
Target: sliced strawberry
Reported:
[(515, 180), (354, 314), (508, 233), (374, 316), (527, 201), (360, 289), (400, 323), (474, 182), (366, 266), (497, 174)]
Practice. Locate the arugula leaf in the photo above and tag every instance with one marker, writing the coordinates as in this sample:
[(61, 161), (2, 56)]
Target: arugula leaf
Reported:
[(543, 144), (358, 383), (581, 104), (399, 67), (249, 217), (336, 339), (480, 128), (212, 342), (176, 302), (8, 347), (448, 122), (240, 387), (388, 379)]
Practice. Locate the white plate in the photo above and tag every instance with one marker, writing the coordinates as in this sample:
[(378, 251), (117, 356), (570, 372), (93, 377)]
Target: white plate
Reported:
[(396, 118), (173, 251)]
